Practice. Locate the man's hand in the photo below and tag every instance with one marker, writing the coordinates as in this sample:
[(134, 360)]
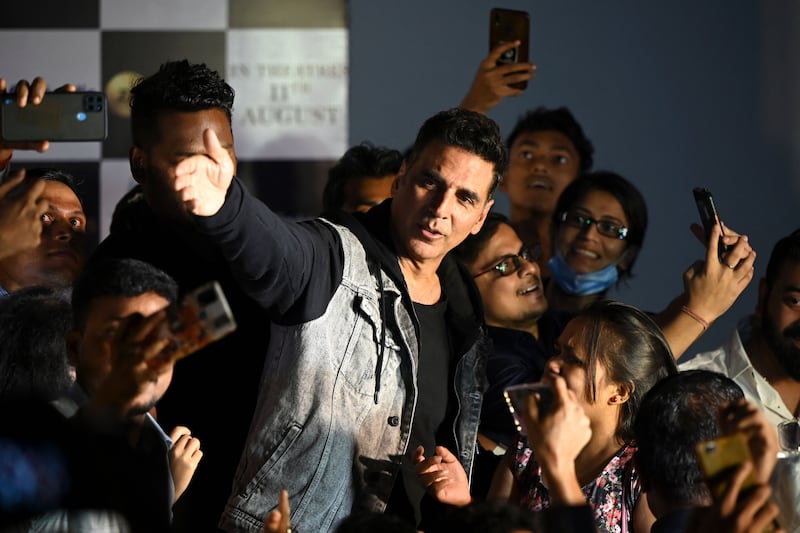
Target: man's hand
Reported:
[(737, 512), (21, 213), (492, 82), (202, 181), (277, 521), (27, 93), (762, 439), (139, 359), (443, 476)]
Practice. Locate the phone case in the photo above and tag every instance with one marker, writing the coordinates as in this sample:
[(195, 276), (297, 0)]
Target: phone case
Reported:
[(719, 458), (202, 317), (79, 116), (507, 25)]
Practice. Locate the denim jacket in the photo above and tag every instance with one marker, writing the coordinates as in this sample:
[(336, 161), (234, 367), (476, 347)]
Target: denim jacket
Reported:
[(339, 390)]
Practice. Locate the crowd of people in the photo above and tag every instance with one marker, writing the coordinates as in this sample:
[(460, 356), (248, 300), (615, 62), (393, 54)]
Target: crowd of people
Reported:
[(365, 385)]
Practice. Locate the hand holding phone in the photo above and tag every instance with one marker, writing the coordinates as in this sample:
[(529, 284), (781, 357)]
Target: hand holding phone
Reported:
[(709, 216), (510, 26), (202, 317), (517, 400), (719, 458), (60, 116)]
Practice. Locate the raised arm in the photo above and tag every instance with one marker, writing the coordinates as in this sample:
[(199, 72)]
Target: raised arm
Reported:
[(492, 82), (285, 266), (710, 289)]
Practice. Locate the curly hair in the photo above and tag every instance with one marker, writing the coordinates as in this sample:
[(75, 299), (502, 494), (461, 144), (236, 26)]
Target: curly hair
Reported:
[(177, 86)]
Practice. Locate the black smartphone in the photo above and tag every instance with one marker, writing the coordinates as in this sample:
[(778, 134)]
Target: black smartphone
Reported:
[(516, 398), (708, 215), (507, 25), (78, 116)]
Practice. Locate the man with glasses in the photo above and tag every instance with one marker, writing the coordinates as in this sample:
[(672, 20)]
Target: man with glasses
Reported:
[(522, 331)]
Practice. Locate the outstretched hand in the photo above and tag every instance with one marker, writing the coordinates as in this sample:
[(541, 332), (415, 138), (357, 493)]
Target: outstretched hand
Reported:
[(21, 210), (492, 82), (202, 181), (443, 476)]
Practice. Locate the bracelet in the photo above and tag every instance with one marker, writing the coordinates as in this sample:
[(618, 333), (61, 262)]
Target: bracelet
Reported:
[(695, 316)]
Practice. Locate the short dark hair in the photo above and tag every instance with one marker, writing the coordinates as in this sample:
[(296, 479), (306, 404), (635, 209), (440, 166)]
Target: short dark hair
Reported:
[(360, 161), (54, 174), (118, 277), (628, 196), (471, 247), (33, 353), (677, 413), (473, 132), (786, 250), (561, 120), (177, 86), (632, 350)]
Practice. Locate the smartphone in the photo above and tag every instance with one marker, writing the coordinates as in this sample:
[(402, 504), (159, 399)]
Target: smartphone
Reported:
[(517, 397), (506, 25), (202, 317), (719, 458), (78, 116), (708, 215)]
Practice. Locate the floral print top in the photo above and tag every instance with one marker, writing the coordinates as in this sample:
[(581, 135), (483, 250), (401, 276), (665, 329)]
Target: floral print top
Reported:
[(605, 494)]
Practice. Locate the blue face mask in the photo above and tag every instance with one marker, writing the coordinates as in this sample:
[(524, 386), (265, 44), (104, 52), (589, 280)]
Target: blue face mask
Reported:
[(581, 284)]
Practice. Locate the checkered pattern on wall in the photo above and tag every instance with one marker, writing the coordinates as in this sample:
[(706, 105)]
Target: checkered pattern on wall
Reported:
[(286, 60)]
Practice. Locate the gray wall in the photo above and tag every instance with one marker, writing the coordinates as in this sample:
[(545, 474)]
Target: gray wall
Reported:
[(673, 94)]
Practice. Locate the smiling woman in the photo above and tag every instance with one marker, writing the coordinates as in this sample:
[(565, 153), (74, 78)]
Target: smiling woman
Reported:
[(598, 229)]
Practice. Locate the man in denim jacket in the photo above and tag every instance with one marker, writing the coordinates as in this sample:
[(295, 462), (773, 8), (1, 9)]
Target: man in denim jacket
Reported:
[(377, 350)]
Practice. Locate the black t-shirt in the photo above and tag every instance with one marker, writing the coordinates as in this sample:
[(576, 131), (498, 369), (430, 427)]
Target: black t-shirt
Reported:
[(433, 410)]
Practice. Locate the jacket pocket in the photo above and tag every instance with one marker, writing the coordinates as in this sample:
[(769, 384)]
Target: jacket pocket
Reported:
[(277, 466)]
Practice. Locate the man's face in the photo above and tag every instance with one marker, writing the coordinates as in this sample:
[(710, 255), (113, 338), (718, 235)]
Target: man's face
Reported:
[(438, 200), (541, 165), (179, 135), (91, 348), (514, 300), (780, 318), (59, 257), (365, 193)]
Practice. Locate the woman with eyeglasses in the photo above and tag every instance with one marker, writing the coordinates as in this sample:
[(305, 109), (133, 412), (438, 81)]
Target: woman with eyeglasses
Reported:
[(598, 229)]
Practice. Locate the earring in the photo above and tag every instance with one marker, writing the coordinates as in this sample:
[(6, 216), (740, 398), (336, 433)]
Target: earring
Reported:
[(614, 399)]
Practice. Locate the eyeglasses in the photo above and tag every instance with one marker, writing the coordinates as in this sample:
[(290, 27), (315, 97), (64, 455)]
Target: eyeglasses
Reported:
[(604, 227), (511, 263)]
